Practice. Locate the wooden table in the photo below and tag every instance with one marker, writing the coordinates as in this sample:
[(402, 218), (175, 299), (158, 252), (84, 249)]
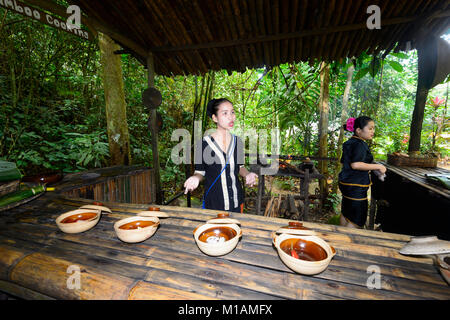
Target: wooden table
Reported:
[(37, 260), (410, 204), (417, 175)]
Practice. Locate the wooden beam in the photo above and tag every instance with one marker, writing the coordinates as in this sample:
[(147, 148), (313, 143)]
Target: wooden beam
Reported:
[(93, 24), (60, 11), (292, 35)]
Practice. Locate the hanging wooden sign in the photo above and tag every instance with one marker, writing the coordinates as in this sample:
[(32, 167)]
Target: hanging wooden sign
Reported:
[(151, 98), (43, 17)]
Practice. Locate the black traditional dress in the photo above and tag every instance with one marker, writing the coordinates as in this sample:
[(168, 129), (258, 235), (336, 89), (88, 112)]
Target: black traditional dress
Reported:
[(354, 184), (226, 192)]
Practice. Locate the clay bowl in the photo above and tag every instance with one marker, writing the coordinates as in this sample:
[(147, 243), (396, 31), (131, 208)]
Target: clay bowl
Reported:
[(295, 227), (97, 206), (304, 254), (217, 239), (79, 220), (223, 218), (153, 212), (136, 229), (425, 245), (443, 260)]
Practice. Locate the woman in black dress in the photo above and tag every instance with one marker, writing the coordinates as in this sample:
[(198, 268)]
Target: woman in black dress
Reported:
[(220, 161), (354, 179)]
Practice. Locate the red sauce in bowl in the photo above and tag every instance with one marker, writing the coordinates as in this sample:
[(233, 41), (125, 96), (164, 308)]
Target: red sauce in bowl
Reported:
[(80, 216), (136, 224), (303, 249)]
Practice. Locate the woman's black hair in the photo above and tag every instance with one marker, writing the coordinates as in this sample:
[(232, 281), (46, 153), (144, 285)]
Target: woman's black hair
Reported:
[(213, 106), (360, 122)]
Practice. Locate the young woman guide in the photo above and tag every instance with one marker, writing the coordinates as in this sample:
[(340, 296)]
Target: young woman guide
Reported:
[(354, 179), (221, 162)]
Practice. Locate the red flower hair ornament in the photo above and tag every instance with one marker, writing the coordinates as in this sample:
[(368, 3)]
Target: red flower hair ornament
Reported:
[(350, 125)]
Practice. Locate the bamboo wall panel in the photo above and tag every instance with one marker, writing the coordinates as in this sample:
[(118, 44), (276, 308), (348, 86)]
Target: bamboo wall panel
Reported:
[(137, 187)]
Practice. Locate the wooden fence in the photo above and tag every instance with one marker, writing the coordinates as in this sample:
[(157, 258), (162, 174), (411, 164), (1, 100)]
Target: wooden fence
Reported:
[(134, 187)]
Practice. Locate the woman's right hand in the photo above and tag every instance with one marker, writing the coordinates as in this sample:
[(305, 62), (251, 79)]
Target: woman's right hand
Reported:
[(191, 184), (382, 168)]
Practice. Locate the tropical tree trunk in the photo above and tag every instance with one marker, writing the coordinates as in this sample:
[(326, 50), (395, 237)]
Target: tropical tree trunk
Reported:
[(323, 125), (426, 64), (380, 91), (344, 116), (116, 117)]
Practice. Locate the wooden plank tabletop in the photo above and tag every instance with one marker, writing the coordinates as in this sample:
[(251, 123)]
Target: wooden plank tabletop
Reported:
[(417, 175), (35, 256)]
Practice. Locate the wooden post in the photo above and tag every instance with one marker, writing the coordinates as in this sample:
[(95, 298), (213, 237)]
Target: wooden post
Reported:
[(323, 125), (372, 208), (306, 195), (187, 172), (260, 191), (154, 130)]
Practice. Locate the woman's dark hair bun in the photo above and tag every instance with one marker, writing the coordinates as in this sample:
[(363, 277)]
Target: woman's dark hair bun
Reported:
[(213, 106), (359, 122)]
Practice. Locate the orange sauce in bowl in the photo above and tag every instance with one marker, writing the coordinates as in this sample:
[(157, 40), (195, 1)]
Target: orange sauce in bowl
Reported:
[(303, 249), (136, 224), (79, 217)]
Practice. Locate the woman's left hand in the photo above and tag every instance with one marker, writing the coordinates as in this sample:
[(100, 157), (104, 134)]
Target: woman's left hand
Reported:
[(250, 179)]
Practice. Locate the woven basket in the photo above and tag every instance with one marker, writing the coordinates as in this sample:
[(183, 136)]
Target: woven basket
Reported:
[(412, 161), (8, 187)]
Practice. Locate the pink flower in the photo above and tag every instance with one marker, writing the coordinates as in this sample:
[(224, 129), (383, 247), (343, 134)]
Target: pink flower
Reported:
[(437, 101), (350, 124)]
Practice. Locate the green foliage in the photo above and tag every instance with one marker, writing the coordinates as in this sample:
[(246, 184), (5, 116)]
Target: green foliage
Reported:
[(333, 201), (287, 184), (335, 220)]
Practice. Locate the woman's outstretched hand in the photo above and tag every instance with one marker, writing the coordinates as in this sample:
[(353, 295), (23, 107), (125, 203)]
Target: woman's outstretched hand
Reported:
[(382, 169), (250, 179), (191, 184)]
